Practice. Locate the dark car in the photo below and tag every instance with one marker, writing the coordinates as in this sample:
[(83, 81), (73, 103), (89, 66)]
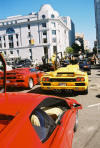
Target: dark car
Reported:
[(64, 63), (23, 63), (85, 66), (45, 67)]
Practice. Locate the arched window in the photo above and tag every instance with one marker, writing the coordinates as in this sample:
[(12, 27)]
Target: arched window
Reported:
[(52, 16), (10, 31), (43, 16)]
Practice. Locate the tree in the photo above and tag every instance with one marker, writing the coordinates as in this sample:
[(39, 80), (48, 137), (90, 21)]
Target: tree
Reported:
[(69, 50)]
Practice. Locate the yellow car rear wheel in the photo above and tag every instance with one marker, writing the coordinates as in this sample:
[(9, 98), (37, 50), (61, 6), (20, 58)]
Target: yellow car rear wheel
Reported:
[(86, 91)]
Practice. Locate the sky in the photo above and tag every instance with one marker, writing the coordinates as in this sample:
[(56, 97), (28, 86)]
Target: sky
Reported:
[(80, 11)]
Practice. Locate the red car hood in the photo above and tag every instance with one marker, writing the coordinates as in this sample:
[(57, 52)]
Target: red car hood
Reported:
[(12, 103), (14, 106), (18, 70)]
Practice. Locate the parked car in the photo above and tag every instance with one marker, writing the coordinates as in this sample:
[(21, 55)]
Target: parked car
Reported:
[(33, 120), (39, 121), (45, 67), (23, 77), (23, 63), (66, 78), (85, 66), (64, 63)]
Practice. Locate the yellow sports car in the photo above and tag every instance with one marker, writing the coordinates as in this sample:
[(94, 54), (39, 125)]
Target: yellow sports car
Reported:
[(66, 78)]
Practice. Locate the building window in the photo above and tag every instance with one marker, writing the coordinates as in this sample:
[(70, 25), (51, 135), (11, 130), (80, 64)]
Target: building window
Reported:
[(29, 41), (29, 34), (54, 40), (54, 32), (55, 49), (28, 26), (43, 16), (11, 52), (16, 36), (44, 32), (4, 38), (10, 30), (11, 45), (5, 52), (17, 43), (45, 40), (0, 45), (4, 44), (18, 52), (53, 24), (52, 16), (43, 24), (30, 50), (10, 37)]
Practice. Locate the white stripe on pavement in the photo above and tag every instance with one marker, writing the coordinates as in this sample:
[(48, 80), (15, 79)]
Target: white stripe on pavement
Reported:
[(94, 105)]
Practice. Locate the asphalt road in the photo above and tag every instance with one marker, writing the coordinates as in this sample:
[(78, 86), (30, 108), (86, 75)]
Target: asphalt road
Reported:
[(88, 133)]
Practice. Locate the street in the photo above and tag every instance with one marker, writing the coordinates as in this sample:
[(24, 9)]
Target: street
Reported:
[(88, 133)]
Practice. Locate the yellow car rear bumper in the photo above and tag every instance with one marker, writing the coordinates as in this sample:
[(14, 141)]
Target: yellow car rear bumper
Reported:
[(68, 87)]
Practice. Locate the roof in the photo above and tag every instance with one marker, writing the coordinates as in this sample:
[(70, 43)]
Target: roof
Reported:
[(69, 68), (46, 7)]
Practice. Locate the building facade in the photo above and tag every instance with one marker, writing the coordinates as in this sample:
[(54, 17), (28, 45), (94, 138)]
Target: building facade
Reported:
[(35, 35), (97, 21), (86, 45)]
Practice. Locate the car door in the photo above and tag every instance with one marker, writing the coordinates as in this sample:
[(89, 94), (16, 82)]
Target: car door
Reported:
[(64, 135)]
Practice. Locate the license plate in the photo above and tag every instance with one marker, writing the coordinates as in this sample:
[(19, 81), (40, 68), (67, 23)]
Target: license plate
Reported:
[(76, 88), (62, 84)]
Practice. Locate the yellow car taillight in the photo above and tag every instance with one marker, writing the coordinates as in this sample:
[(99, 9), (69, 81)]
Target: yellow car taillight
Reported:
[(45, 79), (80, 79)]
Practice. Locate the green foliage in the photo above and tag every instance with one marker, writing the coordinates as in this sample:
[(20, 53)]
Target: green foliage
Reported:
[(69, 50)]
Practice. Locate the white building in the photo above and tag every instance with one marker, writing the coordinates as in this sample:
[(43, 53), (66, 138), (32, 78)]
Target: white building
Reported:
[(36, 34), (86, 45)]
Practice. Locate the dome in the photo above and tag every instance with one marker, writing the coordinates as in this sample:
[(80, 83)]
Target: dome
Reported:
[(46, 7), (56, 13)]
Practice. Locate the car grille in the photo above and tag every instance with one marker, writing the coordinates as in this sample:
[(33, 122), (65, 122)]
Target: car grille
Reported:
[(19, 80), (63, 80), (46, 84), (11, 77), (11, 74), (80, 84), (65, 72)]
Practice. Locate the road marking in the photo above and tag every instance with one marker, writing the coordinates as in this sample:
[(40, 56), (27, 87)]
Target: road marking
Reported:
[(94, 105)]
